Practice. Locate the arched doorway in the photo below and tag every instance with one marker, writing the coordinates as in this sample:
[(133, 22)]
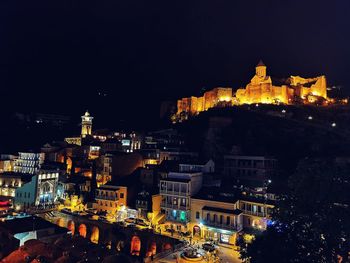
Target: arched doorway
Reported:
[(71, 226), (45, 195), (196, 231), (152, 249), (166, 246), (82, 230), (95, 233), (135, 246)]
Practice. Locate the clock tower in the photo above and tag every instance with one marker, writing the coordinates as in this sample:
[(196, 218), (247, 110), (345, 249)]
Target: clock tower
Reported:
[(86, 124)]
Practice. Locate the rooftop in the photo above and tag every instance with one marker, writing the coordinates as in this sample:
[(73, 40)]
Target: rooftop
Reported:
[(180, 180), (217, 194)]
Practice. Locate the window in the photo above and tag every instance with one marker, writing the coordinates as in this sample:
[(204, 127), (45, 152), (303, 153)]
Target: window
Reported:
[(28, 195), (215, 218), (221, 219), (208, 217), (121, 195), (197, 215), (228, 220)]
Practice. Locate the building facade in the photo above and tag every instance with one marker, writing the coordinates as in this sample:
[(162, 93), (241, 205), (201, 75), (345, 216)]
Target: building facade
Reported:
[(256, 212), (40, 190), (250, 171), (261, 89), (28, 162), (176, 192), (110, 198), (216, 217)]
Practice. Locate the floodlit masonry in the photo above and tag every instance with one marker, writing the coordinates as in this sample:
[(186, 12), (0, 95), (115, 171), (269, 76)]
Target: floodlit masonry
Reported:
[(261, 89)]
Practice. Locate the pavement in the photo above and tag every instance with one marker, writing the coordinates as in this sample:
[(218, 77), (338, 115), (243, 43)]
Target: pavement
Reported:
[(226, 255)]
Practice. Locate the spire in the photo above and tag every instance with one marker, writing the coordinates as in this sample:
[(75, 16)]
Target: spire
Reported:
[(261, 64)]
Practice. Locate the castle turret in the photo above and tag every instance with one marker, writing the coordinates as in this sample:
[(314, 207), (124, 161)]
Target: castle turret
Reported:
[(86, 124), (260, 69)]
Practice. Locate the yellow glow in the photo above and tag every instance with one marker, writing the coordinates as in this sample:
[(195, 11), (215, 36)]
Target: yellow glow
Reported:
[(259, 90)]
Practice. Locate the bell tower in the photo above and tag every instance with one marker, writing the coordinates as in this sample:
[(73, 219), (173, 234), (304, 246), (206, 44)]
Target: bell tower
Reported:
[(260, 69), (86, 124)]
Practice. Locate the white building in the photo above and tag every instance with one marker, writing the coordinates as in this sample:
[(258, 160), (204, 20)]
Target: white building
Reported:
[(204, 167), (28, 162), (176, 191), (41, 190)]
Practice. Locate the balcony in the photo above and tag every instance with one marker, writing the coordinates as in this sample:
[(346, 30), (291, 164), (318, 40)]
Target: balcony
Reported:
[(174, 206), (222, 226), (260, 214), (170, 192), (103, 197)]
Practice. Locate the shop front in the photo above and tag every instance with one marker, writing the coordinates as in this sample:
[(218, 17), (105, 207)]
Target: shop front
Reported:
[(219, 235)]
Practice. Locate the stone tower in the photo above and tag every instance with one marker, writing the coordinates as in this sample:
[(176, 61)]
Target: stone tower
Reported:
[(260, 69), (86, 124)]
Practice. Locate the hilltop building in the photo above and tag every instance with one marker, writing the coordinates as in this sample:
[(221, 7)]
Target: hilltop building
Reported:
[(261, 89)]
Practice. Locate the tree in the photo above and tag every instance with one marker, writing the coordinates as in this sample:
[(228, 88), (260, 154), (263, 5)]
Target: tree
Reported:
[(312, 220)]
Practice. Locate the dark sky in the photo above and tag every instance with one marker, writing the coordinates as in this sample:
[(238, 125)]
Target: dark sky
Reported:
[(56, 55)]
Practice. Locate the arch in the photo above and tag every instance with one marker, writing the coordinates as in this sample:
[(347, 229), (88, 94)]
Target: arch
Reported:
[(152, 249), (60, 222), (108, 244), (120, 245), (71, 226), (45, 192), (95, 233), (257, 223), (135, 246), (196, 230), (82, 230), (166, 246)]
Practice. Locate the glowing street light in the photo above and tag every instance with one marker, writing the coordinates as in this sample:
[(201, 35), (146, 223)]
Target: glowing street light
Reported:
[(334, 124)]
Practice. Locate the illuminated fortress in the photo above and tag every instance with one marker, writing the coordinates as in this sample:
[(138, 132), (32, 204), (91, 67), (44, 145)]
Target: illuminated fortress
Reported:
[(260, 90)]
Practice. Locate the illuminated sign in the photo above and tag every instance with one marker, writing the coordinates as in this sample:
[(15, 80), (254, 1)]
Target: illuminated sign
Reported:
[(126, 142)]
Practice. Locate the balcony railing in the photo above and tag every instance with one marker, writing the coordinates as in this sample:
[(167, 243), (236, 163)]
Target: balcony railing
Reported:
[(174, 206), (177, 220), (223, 225), (170, 192), (103, 197), (260, 214)]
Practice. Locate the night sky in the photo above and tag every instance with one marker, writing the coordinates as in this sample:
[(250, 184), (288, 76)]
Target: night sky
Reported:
[(57, 55)]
